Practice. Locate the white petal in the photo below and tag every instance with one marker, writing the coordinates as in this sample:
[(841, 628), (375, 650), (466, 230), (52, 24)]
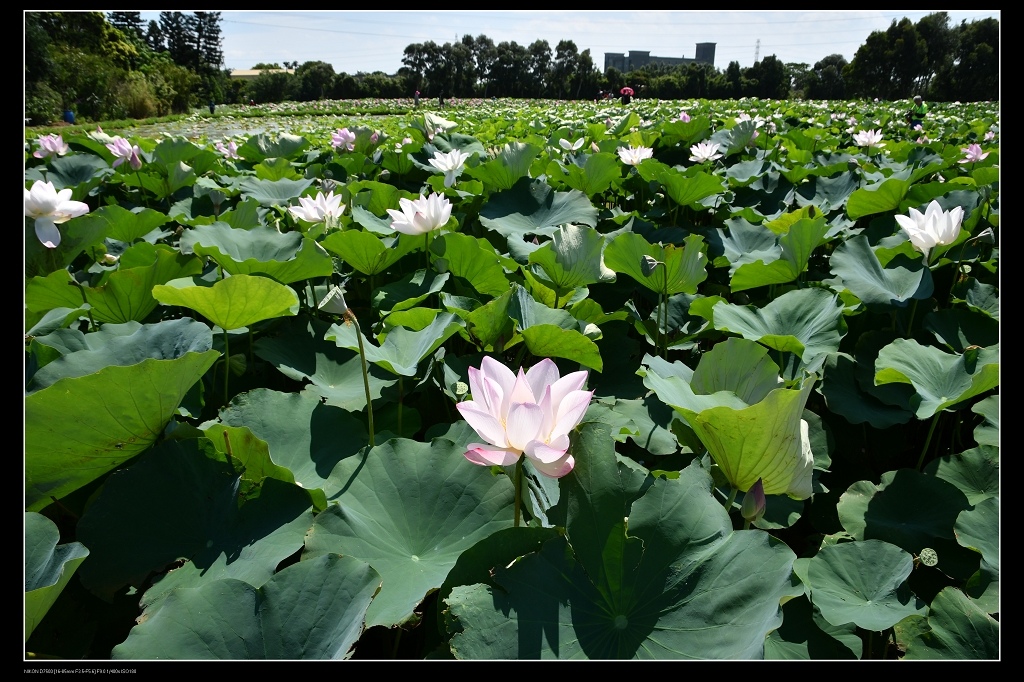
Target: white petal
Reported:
[(556, 469), (547, 453), (571, 411), (47, 232), (542, 375)]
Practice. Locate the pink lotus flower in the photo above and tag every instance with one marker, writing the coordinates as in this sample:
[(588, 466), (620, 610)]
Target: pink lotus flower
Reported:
[(973, 154), (124, 150), (684, 117), (990, 135), (530, 414), (51, 145), (230, 151), (48, 208), (344, 139)]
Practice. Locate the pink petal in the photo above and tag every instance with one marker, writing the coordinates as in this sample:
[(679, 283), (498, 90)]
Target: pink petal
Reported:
[(486, 456), (556, 469), (523, 424), (542, 375), (547, 453), (571, 411), (485, 425)]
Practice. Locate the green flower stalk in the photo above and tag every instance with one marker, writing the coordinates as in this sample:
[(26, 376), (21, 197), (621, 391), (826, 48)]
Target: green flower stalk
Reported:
[(334, 303)]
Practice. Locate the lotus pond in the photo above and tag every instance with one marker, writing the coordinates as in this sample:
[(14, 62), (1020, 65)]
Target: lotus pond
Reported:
[(516, 380)]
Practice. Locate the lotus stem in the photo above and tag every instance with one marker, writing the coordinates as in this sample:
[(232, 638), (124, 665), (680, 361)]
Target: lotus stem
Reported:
[(351, 317), (227, 367), (519, 487), (910, 320), (732, 498), (928, 440)]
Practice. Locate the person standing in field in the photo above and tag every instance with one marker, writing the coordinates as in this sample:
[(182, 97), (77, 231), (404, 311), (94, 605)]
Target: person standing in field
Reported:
[(416, 99), (915, 117)]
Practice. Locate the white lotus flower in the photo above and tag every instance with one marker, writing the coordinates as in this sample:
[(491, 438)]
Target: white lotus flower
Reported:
[(570, 146), (48, 208), (320, 209), (419, 216), (632, 156), (871, 139), (451, 164), (932, 228), (705, 151)]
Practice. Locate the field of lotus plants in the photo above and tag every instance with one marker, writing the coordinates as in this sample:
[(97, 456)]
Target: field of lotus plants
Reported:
[(517, 380)]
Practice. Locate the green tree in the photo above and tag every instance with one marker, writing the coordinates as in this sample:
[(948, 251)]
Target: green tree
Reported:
[(828, 81), (128, 22), (973, 75), (941, 41), (313, 80)]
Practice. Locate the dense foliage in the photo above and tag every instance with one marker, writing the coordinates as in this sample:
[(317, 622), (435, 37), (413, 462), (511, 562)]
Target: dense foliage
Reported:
[(254, 407)]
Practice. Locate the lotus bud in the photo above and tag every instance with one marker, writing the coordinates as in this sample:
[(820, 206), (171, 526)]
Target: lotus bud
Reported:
[(753, 502)]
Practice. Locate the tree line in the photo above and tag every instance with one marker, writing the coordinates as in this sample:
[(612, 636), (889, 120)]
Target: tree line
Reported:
[(115, 65)]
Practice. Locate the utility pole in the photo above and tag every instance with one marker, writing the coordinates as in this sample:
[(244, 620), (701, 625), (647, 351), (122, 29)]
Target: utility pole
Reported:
[(757, 50)]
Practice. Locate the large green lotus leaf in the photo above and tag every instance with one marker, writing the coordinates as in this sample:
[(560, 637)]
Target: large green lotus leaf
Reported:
[(300, 352), (548, 340), (275, 169), (410, 509), (738, 365), (885, 196), (745, 242), (960, 328), (476, 564), (408, 291), (978, 529), (857, 266), (940, 379), (402, 350), (490, 323), (762, 441), (596, 175), (907, 509), (376, 198), (48, 567), (955, 630), (366, 252), (573, 258), (172, 151), (827, 194), (678, 269), (688, 188), (310, 610), (806, 322), (987, 433), (983, 587), (288, 257), (472, 259), (670, 381), (844, 396), (304, 435), (125, 295), (797, 245), (124, 225), (79, 428), (511, 164), (77, 172), (253, 454), (233, 302), (533, 207), (180, 502), (975, 472), (805, 635), (126, 344), (681, 585), (528, 312), (644, 421), (273, 192), (265, 146), (983, 298), (863, 583), (371, 222)]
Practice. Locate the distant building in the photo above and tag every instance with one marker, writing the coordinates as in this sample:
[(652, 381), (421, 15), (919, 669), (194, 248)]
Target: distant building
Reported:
[(628, 61), (249, 74)]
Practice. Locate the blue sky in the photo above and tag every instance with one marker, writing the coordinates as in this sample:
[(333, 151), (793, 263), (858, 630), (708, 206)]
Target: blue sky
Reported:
[(354, 41)]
